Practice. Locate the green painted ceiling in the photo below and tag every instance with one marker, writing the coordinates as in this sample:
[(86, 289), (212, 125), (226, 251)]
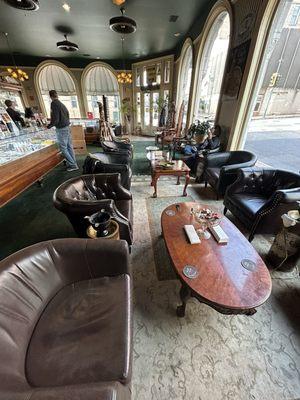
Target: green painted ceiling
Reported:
[(33, 35)]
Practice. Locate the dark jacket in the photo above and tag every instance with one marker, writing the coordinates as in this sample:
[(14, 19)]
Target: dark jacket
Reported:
[(15, 116), (60, 117)]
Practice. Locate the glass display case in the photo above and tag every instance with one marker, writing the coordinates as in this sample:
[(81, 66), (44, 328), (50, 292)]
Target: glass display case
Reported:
[(27, 141)]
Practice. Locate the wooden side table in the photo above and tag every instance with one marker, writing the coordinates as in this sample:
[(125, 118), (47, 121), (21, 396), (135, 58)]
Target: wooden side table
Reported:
[(179, 168), (113, 232)]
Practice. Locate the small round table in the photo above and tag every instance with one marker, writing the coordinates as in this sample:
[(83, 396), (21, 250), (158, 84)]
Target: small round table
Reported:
[(113, 232)]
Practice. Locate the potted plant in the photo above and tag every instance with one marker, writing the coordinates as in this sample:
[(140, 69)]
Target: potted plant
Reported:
[(201, 131)]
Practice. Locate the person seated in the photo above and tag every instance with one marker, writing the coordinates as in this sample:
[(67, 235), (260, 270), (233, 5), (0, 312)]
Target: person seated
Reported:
[(211, 141), (14, 114)]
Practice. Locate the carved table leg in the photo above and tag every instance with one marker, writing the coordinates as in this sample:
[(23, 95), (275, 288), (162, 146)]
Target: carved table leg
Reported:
[(178, 180), (251, 312), (185, 294), (187, 181), (154, 184)]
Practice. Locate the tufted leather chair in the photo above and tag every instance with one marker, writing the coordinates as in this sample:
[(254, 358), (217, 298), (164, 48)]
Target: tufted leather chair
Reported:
[(118, 148), (66, 321), (109, 163), (259, 197), (220, 169), (84, 195)]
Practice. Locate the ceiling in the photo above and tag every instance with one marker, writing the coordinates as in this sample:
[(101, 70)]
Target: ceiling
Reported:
[(34, 34)]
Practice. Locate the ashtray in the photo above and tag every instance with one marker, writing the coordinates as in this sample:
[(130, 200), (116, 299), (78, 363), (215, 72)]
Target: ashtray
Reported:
[(248, 264), (190, 271), (170, 213)]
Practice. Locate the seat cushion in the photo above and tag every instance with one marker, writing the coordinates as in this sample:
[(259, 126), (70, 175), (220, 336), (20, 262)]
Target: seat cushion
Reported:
[(83, 335), (249, 204), (125, 208)]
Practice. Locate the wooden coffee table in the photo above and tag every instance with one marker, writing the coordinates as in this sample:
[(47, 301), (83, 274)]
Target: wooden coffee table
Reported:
[(223, 282), (179, 168)]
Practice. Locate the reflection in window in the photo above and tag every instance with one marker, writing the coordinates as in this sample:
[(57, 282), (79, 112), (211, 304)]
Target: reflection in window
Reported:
[(158, 73), (147, 109), (13, 96), (155, 107), (212, 67), (294, 15), (113, 102), (167, 71), (138, 77), (138, 108)]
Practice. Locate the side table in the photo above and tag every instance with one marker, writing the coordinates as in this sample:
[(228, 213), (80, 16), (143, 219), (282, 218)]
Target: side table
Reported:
[(113, 232)]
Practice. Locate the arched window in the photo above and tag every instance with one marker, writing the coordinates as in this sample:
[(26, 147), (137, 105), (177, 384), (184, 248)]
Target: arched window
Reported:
[(185, 77), (98, 81), (55, 77), (211, 68)]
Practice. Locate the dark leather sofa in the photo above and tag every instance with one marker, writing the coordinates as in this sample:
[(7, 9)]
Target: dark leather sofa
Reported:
[(259, 197), (110, 163), (84, 195), (221, 169), (66, 321)]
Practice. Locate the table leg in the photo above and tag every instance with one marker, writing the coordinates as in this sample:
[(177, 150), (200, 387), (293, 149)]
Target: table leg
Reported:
[(187, 181), (154, 184), (185, 294), (178, 180)]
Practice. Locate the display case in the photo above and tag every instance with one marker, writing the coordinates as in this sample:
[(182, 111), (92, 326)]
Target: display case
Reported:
[(25, 157)]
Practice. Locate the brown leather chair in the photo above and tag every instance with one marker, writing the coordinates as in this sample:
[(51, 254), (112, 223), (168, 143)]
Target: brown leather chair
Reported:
[(260, 196), (85, 195), (66, 321)]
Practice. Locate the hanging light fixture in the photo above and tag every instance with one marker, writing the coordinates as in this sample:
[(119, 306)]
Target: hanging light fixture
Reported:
[(124, 77), (66, 45), (123, 25), (15, 72), (28, 5)]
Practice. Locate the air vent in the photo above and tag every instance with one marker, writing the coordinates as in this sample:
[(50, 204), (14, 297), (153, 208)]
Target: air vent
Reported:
[(173, 18), (28, 5), (66, 45)]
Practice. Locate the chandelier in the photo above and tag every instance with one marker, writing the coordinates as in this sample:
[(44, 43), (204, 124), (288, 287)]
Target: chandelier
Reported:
[(124, 77), (18, 74), (15, 72)]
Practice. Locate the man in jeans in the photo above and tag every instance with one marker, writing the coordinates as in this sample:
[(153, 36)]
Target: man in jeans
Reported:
[(61, 120)]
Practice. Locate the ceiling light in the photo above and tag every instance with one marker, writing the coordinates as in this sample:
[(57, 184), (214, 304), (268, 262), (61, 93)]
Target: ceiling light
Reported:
[(66, 45), (98, 58), (123, 25), (66, 7), (119, 2), (177, 34), (28, 5)]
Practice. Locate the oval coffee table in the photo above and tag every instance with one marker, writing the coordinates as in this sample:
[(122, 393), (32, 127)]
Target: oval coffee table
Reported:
[(225, 281)]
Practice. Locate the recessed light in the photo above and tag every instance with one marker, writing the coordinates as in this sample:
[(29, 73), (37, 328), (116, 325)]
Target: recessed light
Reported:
[(48, 55), (66, 7), (98, 58), (177, 34)]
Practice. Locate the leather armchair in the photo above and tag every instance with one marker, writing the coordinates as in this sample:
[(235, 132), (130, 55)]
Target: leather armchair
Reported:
[(109, 163), (85, 195), (221, 168), (259, 197), (117, 148), (66, 321)]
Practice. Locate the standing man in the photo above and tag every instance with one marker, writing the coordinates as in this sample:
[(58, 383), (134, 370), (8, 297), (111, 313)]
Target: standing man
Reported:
[(60, 118)]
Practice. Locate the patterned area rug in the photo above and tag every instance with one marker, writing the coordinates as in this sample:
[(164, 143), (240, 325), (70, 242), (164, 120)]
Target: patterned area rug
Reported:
[(207, 355), (155, 208)]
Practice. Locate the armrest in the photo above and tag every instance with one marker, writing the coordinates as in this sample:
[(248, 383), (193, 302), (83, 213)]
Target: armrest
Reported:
[(112, 167), (288, 195), (217, 159), (234, 167)]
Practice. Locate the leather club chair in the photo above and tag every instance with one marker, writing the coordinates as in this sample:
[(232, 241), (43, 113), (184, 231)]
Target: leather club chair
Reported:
[(66, 321), (85, 195), (117, 147), (221, 168), (109, 163), (259, 197)]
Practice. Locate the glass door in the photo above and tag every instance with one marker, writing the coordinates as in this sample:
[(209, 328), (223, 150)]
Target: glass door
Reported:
[(151, 112)]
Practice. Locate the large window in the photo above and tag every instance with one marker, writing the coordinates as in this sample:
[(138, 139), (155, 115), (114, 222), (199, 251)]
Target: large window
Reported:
[(100, 81), (55, 77), (272, 118), (185, 79), (211, 68)]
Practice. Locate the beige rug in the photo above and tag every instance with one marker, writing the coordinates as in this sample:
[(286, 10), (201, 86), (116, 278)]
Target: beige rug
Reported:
[(207, 355)]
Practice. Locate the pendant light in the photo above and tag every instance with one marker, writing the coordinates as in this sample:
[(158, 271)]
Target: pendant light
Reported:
[(15, 72), (66, 45), (27, 5), (124, 77), (123, 25)]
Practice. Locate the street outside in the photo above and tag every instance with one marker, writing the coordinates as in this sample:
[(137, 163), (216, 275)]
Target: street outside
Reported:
[(276, 142)]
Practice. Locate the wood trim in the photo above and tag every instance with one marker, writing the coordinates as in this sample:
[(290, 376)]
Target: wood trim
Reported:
[(18, 175)]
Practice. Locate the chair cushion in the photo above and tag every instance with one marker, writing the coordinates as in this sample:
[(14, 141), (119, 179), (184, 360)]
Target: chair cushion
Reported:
[(125, 208), (83, 335), (249, 204)]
